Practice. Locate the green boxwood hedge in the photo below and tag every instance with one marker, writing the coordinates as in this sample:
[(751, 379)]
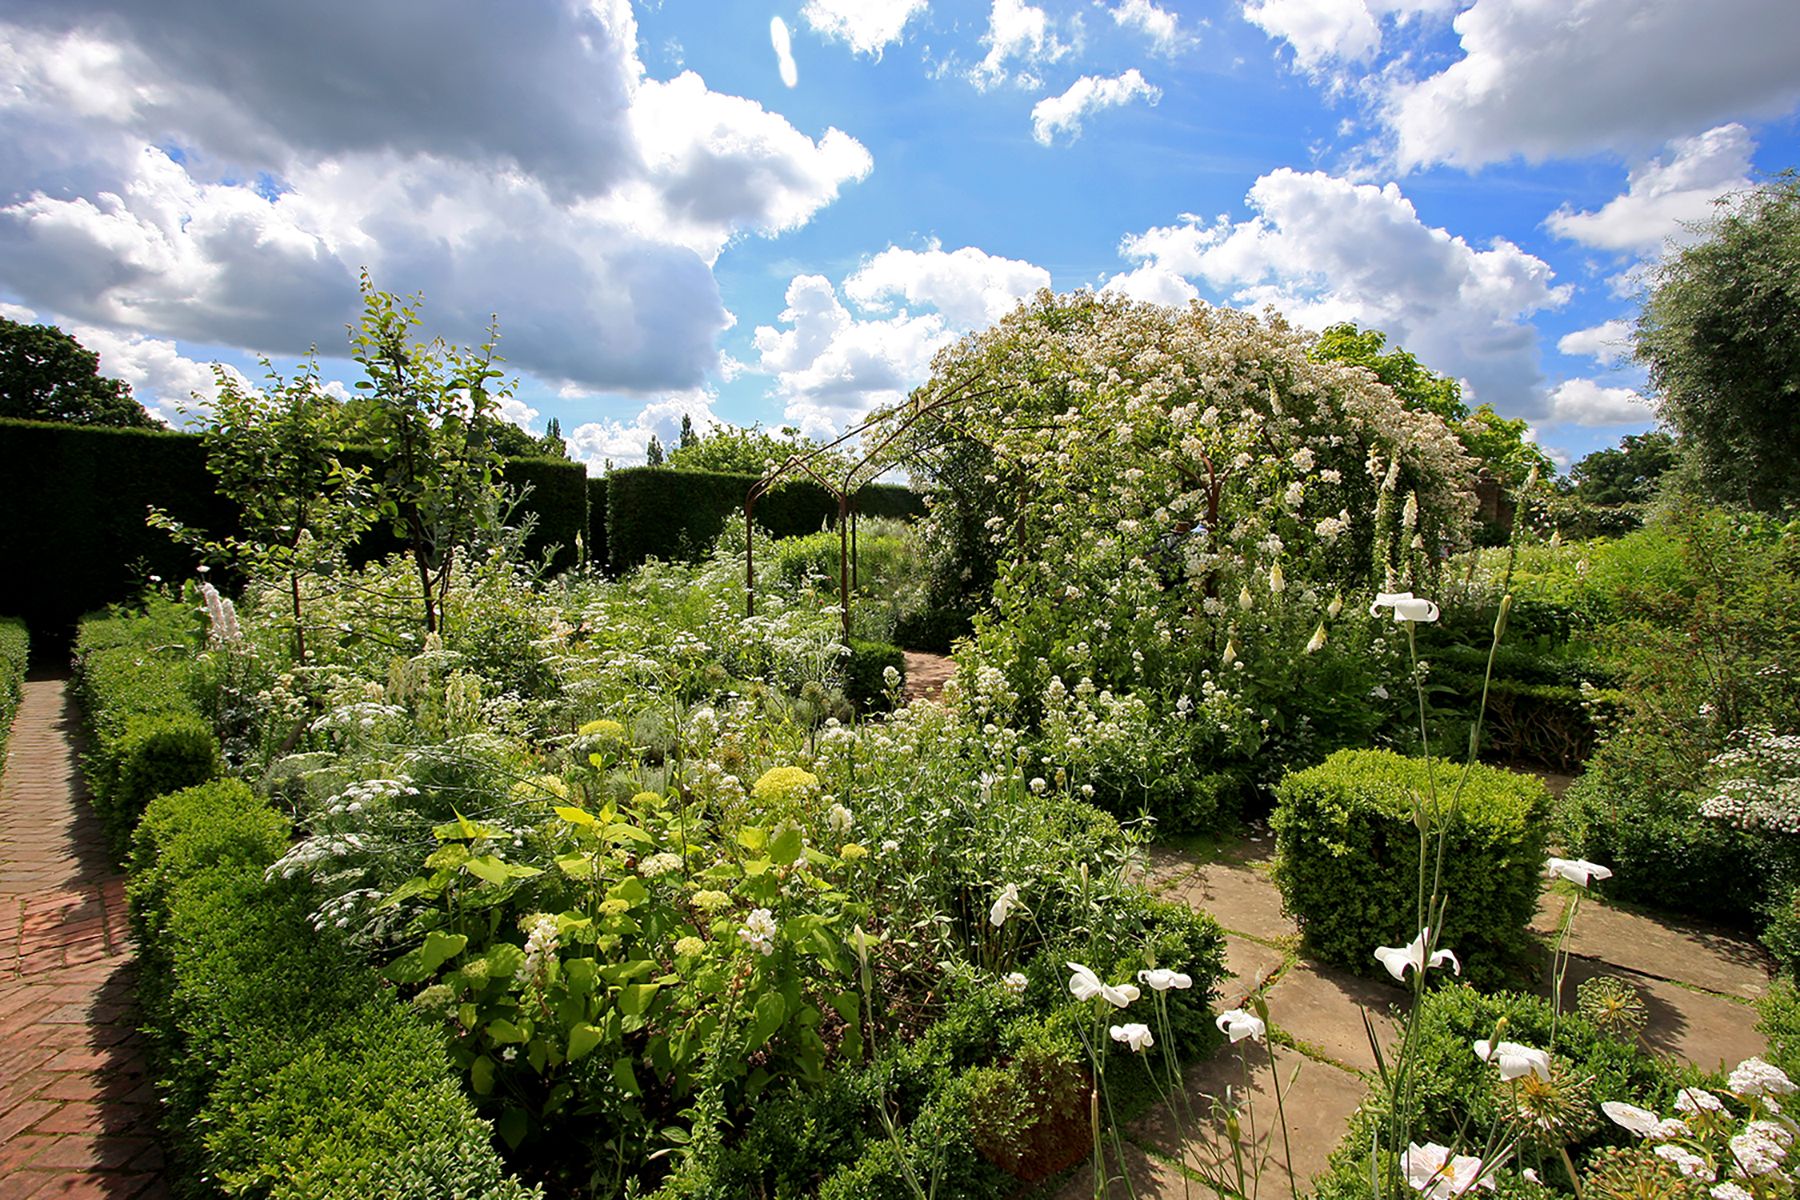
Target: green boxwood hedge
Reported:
[(865, 681), (1349, 859), (146, 734), (287, 1067), (15, 656)]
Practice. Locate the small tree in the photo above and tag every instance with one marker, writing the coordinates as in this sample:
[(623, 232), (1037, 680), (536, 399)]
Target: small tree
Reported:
[(275, 454), (428, 413), (46, 375), (1628, 474), (1720, 333), (653, 453)]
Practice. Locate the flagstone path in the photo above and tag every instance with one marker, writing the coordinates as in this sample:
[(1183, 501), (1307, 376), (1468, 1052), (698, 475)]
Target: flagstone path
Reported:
[(926, 675), (1698, 984), (77, 1112)]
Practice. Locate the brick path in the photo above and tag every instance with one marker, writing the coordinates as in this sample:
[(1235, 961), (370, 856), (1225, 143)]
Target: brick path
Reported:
[(77, 1112)]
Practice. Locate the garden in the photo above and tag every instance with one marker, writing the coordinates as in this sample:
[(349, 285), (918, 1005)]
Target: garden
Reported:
[(463, 870)]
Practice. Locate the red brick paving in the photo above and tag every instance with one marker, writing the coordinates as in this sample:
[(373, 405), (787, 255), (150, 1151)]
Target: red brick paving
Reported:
[(77, 1113)]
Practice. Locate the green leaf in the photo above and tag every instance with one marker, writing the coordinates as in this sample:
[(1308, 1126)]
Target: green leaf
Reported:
[(504, 959), (625, 1077), (486, 868), (408, 968), (848, 1005), (788, 844), (575, 816), (440, 948), (770, 1012), (513, 1125), (582, 1040), (576, 866), (634, 999), (481, 1076), (622, 832), (630, 889), (752, 839), (504, 1031)]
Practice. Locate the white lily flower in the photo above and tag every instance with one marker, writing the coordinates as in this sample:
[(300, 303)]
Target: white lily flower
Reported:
[(1238, 1025), (1576, 870), (1432, 1170), (1397, 958), (1002, 909), (1085, 985), (1406, 606), (1134, 1035), (1640, 1121), (1162, 980), (1514, 1060)]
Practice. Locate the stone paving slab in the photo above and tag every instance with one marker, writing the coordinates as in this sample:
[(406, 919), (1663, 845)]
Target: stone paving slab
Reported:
[(1249, 967), (1705, 1029), (1689, 952), (1242, 898), (1323, 1007)]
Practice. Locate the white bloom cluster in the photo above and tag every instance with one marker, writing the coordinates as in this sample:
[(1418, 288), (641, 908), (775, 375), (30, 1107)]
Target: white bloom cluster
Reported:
[(540, 944), (758, 932), (309, 855), (363, 717), (221, 618), (660, 863), (1762, 787), (368, 792), (338, 911)]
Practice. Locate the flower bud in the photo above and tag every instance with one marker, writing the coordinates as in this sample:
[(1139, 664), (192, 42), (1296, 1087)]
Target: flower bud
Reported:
[(1506, 607)]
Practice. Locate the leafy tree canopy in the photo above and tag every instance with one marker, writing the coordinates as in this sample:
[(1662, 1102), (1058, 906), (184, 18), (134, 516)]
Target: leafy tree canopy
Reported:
[(1490, 439), (732, 450), (1628, 474), (46, 375), (1719, 331)]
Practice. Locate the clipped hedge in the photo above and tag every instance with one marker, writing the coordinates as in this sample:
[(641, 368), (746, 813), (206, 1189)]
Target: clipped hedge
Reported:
[(148, 736), (15, 656), (287, 1067), (75, 540), (1349, 859), (1459, 1096), (865, 673), (659, 512)]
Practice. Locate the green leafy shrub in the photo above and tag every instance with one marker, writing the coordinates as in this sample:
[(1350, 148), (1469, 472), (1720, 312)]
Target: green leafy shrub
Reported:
[(287, 1069), (865, 673), (1349, 857), (1459, 1095), (15, 654), (1779, 1013), (131, 676)]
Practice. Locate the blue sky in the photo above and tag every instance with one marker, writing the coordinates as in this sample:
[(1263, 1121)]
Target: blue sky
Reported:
[(667, 218)]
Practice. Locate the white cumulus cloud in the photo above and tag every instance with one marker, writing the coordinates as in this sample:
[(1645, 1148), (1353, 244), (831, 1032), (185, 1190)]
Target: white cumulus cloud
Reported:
[(868, 25), (1161, 26), (201, 179), (1665, 194), (593, 443), (1016, 30), (833, 366), (1607, 344), (1323, 250), (784, 52), (1326, 31), (1585, 402), (1549, 78), (1062, 114)]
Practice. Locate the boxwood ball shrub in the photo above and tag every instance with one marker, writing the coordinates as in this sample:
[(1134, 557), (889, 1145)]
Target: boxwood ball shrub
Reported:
[(1349, 858)]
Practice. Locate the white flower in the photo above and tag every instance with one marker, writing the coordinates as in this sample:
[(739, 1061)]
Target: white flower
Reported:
[(1514, 1060), (1378, 692), (1754, 1077), (1406, 606), (1162, 980), (839, 819), (660, 863), (1277, 581), (1531, 1175), (1009, 900), (1134, 1035), (1432, 1170), (1317, 641), (1085, 985), (1238, 1025), (1640, 1121), (1245, 600), (1335, 607), (758, 932), (1755, 1154), (1302, 459), (1015, 984), (890, 846), (540, 944), (1693, 1100), (1576, 870), (1230, 655), (1397, 958), (1729, 1191), (1691, 1164)]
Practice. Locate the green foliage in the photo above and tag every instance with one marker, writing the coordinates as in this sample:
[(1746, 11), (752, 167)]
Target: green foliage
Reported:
[(1350, 858), (670, 515), (1717, 331), (1779, 1013), (148, 736), (1460, 1096), (427, 413), (46, 375), (15, 656), (865, 674), (1626, 475), (731, 450), (287, 1071), (555, 494)]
